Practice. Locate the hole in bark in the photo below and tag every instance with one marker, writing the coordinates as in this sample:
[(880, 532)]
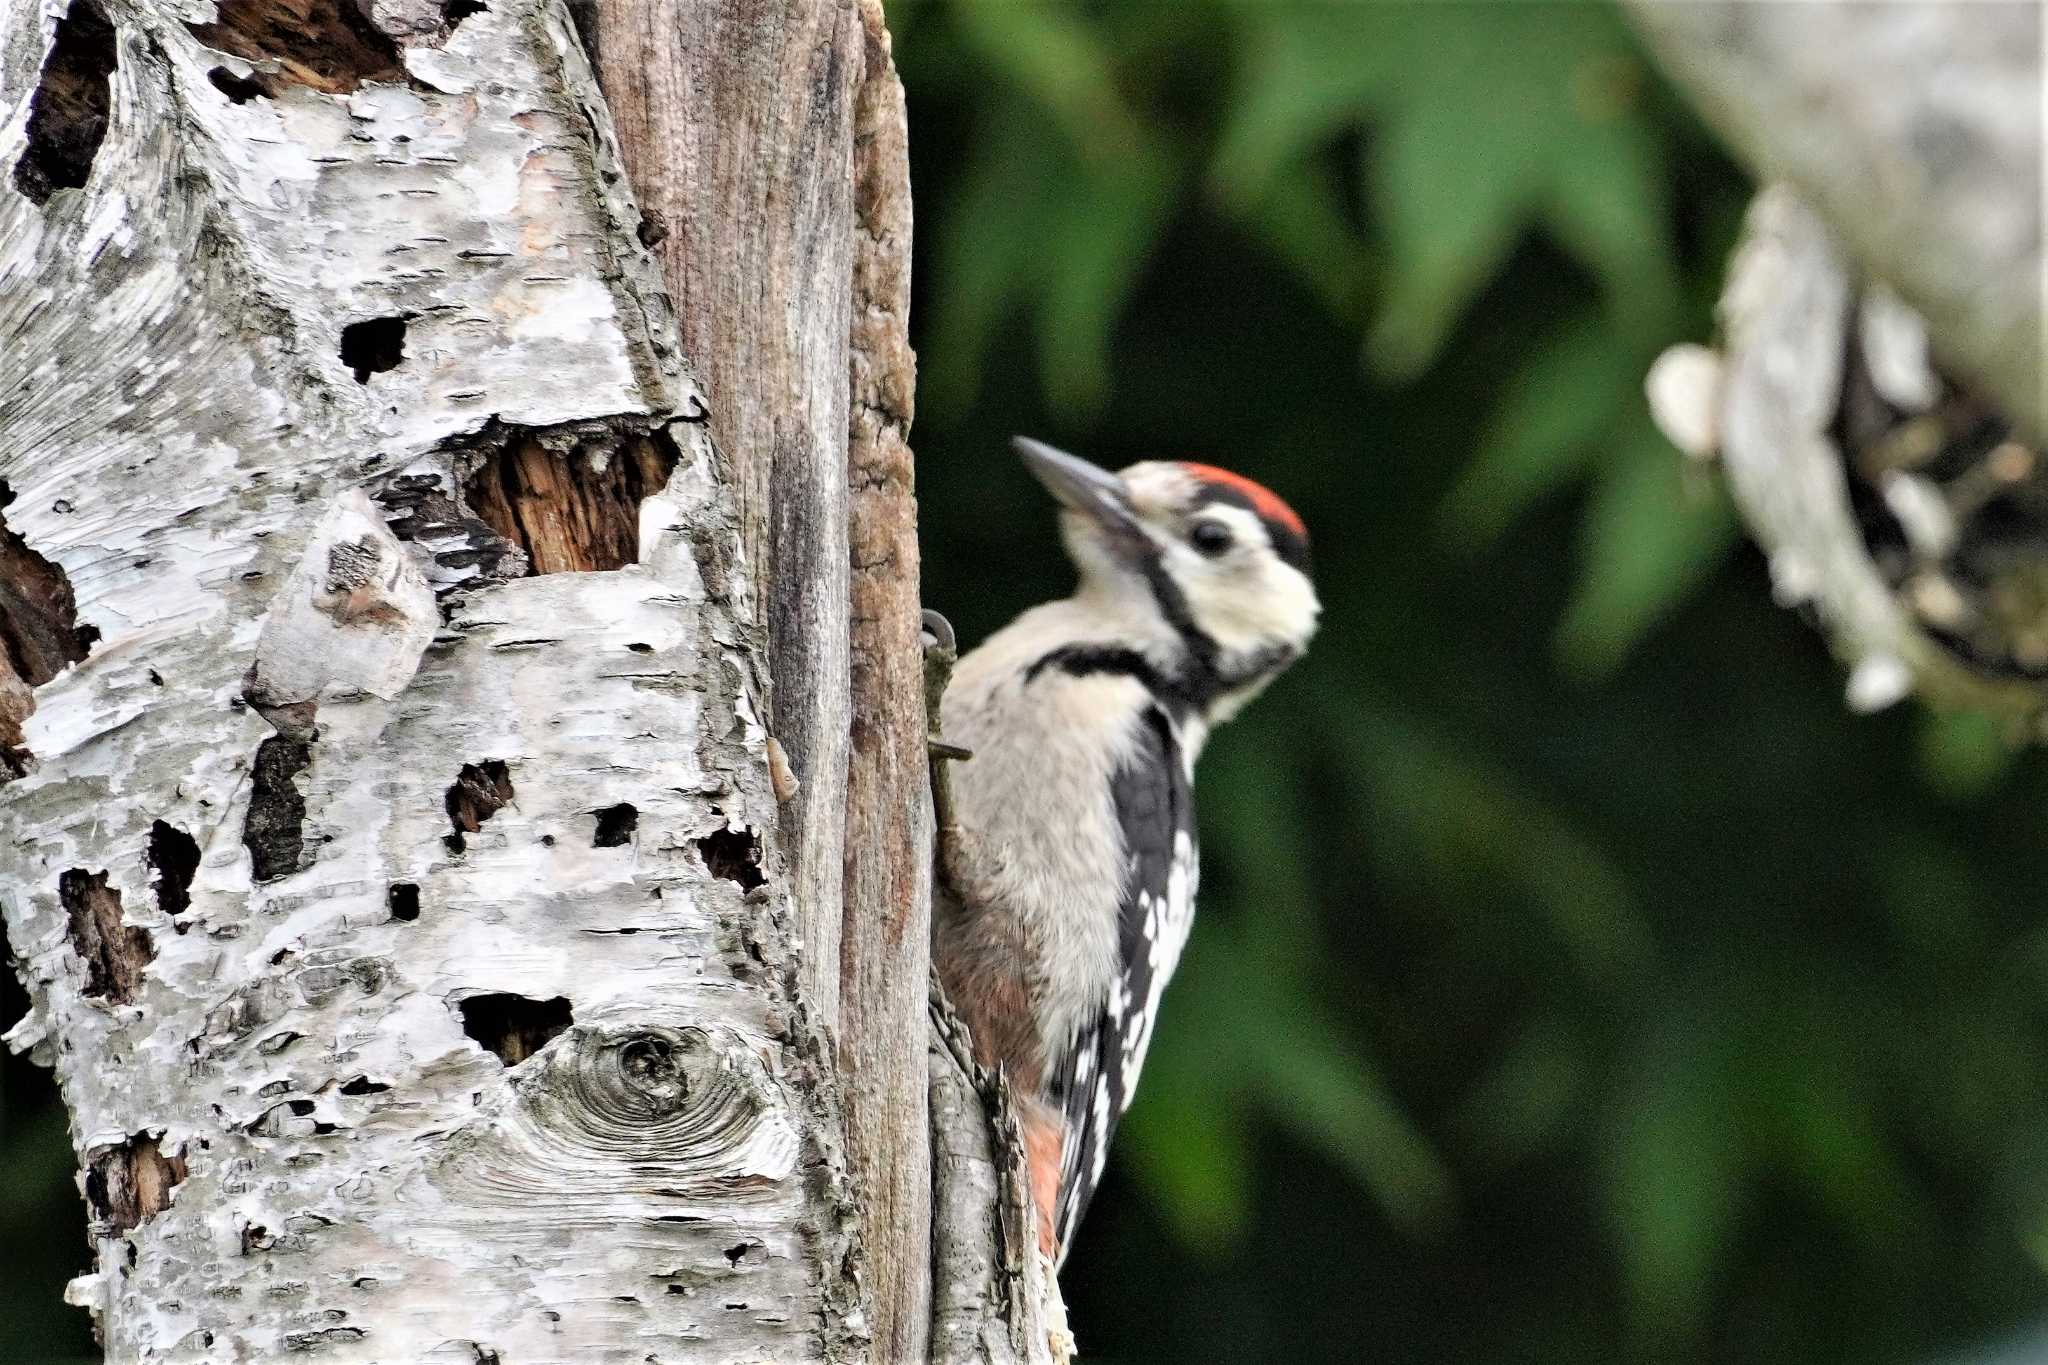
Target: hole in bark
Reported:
[(174, 855), (455, 11), (481, 790), (327, 45), (273, 832), (735, 1254), (156, 679), (114, 953), (405, 901), (735, 855), (363, 1085), (39, 635), (239, 89), (373, 345), (129, 1183), (615, 825), (576, 511), (639, 648), (68, 119), (514, 1026), (677, 1289)]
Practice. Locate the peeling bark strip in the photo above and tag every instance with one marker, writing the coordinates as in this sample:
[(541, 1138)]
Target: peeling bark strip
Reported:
[(114, 953), (128, 1184), (68, 114)]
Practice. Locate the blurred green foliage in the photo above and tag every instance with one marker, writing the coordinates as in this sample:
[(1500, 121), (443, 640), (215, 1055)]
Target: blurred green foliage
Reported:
[(1575, 980)]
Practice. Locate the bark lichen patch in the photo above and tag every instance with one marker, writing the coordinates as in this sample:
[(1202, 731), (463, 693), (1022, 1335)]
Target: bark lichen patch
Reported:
[(326, 45), (68, 115), (514, 1027), (39, 635), (615, 825), (114, 953), (735, 855), (374, 345), (174, 857), (480, 791), (274, 829), (128, 1183), (570, 498)]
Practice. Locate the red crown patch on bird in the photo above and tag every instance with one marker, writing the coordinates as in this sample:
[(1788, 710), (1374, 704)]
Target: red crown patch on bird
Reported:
[(1283, 523)]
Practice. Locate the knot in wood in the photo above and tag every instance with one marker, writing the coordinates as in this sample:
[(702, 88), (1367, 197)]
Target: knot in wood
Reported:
[(652, 1065), (629, 1120), (653, 1077)]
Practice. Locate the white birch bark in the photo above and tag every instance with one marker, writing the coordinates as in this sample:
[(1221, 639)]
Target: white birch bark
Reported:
[(304, 1101)]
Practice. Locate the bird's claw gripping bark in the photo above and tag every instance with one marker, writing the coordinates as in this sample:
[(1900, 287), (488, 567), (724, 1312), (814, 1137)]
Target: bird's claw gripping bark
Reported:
[(960, 857)]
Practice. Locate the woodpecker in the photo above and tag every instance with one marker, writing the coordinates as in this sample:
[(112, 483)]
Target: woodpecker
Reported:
[(1064, 910)]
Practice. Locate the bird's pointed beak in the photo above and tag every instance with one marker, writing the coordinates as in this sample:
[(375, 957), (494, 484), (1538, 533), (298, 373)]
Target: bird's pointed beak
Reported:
[(1085, 488)]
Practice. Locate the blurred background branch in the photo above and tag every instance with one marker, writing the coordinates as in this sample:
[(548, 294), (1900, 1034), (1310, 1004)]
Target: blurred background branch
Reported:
[(1915, 131)]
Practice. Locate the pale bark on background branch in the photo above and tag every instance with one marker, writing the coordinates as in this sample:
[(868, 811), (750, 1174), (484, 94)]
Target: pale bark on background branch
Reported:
[(1914, 129), (1881, 325)]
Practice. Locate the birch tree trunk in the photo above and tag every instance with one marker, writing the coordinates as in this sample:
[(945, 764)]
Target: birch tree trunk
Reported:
[(466, 836), (394, 863)]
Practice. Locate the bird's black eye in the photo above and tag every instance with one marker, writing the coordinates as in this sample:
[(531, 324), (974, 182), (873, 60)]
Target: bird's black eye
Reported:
[(1212, 538)]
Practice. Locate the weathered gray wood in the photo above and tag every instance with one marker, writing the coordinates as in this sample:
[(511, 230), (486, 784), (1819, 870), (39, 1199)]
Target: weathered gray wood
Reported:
[(456, 1025), (995, 1300), (885, 946), (1915, 130), (736, 121)]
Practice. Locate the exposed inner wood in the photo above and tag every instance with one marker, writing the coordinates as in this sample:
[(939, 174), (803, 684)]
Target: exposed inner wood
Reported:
[(39, 635), (68, 116), (572, 513), (125, 1185), (114, 953), (480, 791), (328, 45)]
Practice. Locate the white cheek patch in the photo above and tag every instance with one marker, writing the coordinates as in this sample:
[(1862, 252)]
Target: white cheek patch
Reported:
[(1247, 598)]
